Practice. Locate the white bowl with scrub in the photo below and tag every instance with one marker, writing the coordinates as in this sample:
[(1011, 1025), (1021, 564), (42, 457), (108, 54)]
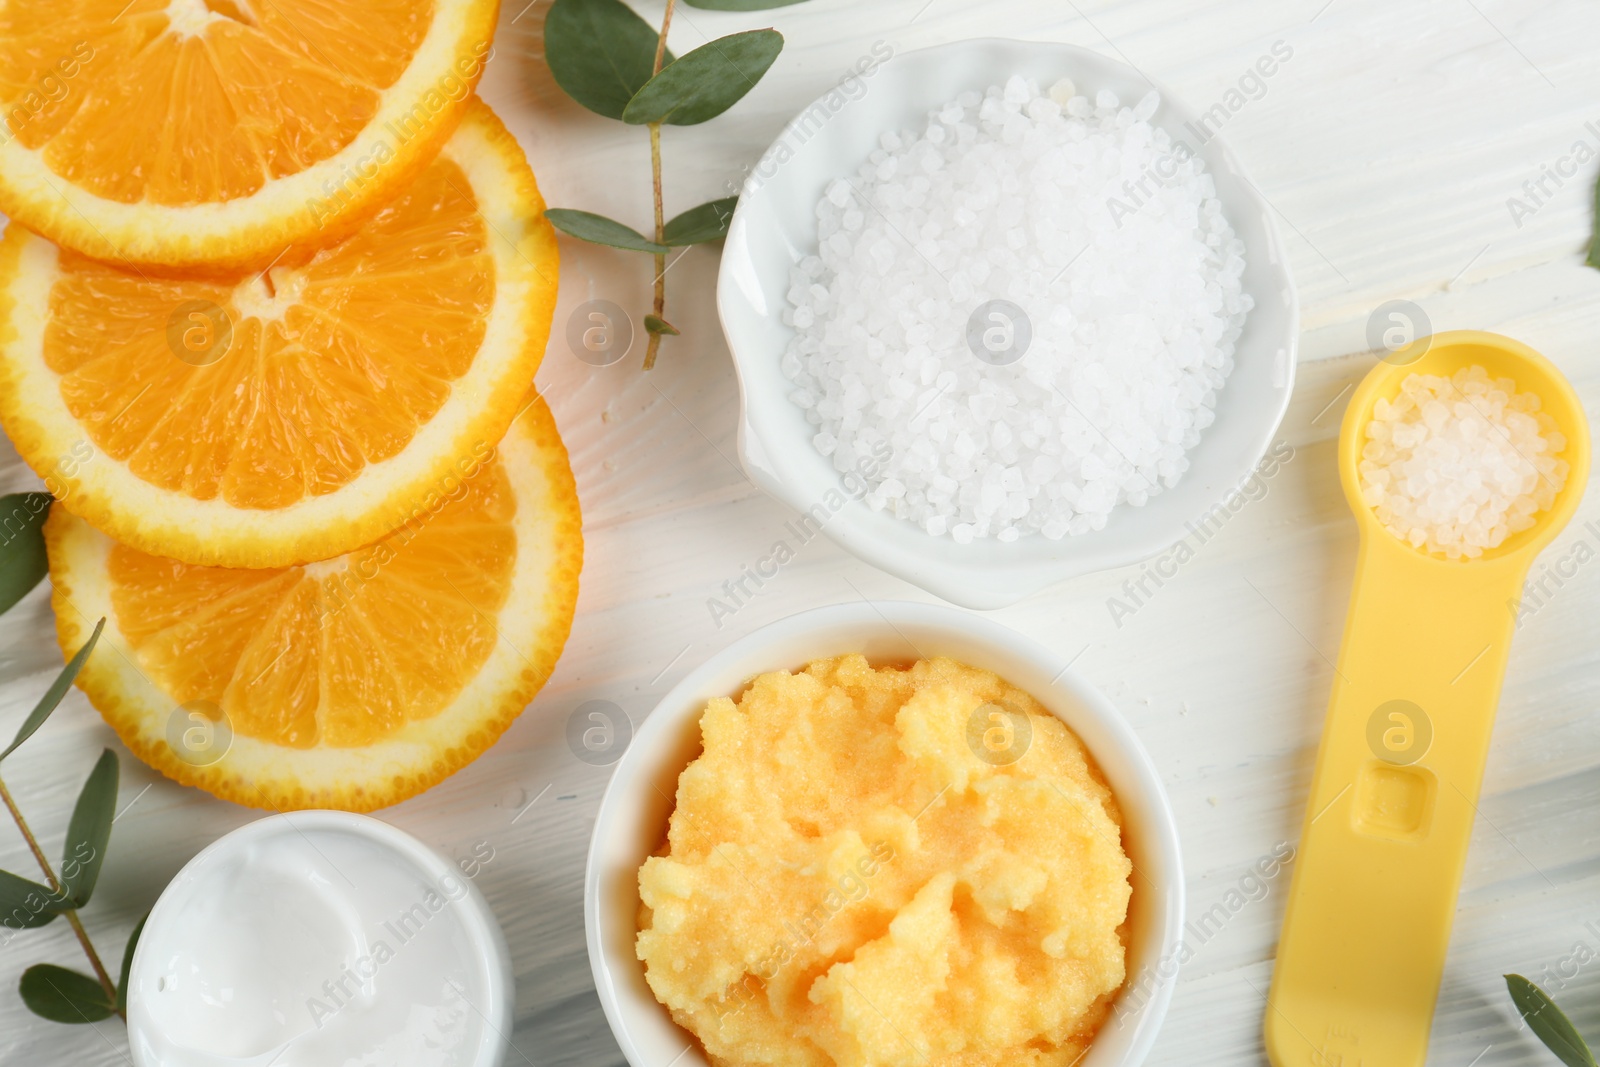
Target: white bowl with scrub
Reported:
[(775, 226), (315, 938), (632, 821)]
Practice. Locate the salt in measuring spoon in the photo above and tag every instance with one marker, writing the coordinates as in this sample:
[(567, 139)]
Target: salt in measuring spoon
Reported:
[(1403, 747)]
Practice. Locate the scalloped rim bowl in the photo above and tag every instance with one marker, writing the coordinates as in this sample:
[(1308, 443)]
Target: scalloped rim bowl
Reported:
[(632, 820), (774, 227)]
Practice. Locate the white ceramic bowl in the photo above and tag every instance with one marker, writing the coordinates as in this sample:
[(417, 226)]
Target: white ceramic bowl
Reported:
[(774, 227), (466, 904), (633, 814)]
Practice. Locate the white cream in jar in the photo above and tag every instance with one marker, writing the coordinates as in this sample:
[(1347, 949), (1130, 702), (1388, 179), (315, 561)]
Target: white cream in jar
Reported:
[(319, 939)]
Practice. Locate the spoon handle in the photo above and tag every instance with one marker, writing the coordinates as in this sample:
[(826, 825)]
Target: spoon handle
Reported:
[(1391, 807)]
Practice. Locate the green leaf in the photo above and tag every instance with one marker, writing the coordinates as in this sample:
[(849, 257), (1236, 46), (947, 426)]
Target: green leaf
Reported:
[(127, 966), (52, 696), (707, 81), (1594, 243), (1548, 1023), (597, 229), (708, 222), (739, 5), (63, 996), (600, 52), (22, 559), (89, 832), (25, 905), (657, 324)]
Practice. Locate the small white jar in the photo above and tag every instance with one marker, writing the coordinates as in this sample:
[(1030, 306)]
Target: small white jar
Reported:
[(315, 938)]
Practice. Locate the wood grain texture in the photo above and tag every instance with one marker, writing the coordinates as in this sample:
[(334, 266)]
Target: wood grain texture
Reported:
[(1389, 145)]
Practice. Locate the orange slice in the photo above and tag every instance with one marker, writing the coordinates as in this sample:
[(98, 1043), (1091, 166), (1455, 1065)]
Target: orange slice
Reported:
[(353, 683), (293, 415), (218, 132)]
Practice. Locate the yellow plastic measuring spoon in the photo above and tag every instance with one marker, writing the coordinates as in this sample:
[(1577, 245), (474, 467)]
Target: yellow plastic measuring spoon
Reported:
[(1403, 748)]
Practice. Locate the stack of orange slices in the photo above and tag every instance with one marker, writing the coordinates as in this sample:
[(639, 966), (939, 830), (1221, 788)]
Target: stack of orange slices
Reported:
[(272, 298)]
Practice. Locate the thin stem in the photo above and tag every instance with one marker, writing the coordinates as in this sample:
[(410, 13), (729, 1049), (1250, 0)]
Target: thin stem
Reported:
[(55, 887), (27, 834), (94, 961), (655, 181), (661, 259), (661, 42)]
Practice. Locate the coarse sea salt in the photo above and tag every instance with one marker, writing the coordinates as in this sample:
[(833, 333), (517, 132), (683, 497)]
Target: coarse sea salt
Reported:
[(1109, 238), (1456, 465)]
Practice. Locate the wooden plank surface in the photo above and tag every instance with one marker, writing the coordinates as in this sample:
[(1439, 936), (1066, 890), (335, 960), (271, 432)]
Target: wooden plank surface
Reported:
[(1389, 144)]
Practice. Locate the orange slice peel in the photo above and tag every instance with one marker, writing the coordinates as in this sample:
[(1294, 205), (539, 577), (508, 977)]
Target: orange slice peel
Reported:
[(353, 683), (207, 133), (297, 413)]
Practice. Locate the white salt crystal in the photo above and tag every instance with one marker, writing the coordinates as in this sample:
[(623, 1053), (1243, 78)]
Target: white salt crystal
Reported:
[(1123, 265), (1456, 465)]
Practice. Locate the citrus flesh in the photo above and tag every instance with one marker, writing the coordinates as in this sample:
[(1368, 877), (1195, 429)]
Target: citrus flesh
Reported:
[(273, 418), (352, 683), (212, 133)]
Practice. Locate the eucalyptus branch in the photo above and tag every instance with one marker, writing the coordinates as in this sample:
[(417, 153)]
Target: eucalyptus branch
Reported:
[(53, 992), (661, 257), (661, 40), (27, 835), (1548, 1023), (655, 183), (71, 914), (615, 64)]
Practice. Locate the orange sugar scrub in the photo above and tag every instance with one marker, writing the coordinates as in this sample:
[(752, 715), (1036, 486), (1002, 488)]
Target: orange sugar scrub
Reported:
[(885, 867)]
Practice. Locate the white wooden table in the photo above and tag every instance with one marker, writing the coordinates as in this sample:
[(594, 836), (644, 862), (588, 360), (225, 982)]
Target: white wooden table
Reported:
[(1389, 144)]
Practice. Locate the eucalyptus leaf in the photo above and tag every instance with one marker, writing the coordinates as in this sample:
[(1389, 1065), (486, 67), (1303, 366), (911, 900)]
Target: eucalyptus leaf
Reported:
[(707, 81), (1593, 259), (25, 905), (657, 324), (600, 52), (708, 222), (1548, 1023), (89, 832), (22, 558), (64, 996), (52, 696), (597, 229), (740, 5), (127, 966)]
